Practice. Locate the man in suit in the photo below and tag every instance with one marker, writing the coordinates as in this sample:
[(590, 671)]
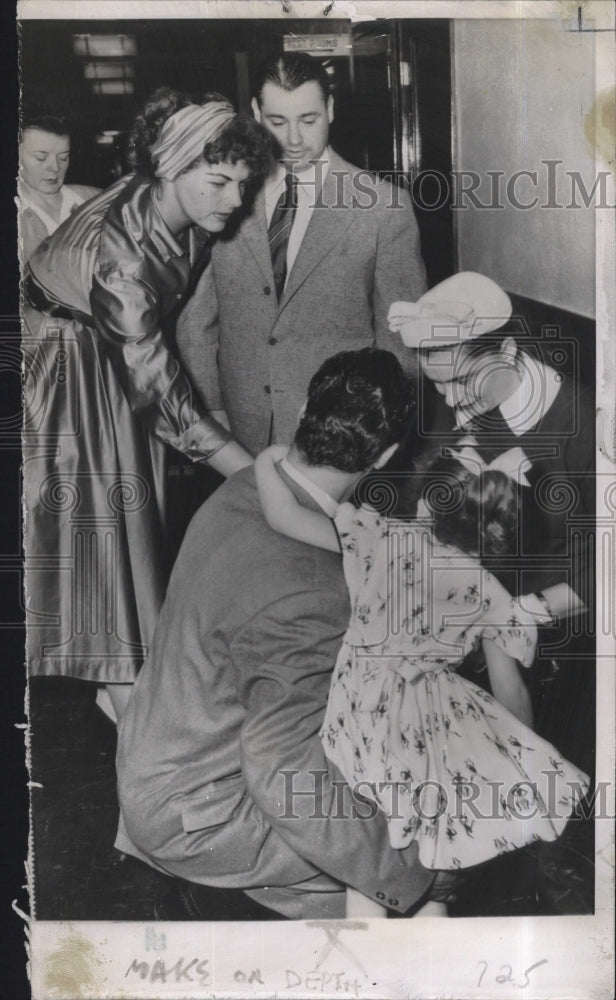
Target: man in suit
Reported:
[(222, 777), (311, 271)]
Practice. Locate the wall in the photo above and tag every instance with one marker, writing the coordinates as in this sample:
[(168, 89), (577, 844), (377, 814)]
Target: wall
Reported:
[(522, 90)]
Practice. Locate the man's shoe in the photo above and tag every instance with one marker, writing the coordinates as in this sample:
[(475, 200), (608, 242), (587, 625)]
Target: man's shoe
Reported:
[(565, 879), (443, 889)]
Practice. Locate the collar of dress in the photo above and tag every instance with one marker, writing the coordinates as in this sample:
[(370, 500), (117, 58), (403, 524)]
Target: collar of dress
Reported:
[(327, 504)]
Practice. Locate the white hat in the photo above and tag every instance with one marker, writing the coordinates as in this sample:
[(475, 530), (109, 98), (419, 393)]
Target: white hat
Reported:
[(460, 308)]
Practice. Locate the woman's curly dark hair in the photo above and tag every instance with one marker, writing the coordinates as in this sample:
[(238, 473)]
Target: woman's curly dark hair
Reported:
[(478, 514), (242, 139)]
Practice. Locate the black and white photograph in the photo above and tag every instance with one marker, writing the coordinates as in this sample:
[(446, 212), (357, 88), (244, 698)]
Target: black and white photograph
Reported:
[(318, 497)]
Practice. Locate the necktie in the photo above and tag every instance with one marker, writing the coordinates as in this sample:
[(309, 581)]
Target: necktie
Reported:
[(280, 230)]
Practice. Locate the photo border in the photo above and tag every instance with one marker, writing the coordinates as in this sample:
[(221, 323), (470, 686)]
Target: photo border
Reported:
[(548, 957)]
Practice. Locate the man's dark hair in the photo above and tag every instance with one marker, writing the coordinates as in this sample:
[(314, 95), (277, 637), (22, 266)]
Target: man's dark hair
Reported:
[(289, 71), (359, 403)]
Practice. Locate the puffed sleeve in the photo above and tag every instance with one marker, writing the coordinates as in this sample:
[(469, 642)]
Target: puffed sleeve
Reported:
[(363, 540), (462, 592), (356, 529), (358, 533), (514, 638), (126, 309)]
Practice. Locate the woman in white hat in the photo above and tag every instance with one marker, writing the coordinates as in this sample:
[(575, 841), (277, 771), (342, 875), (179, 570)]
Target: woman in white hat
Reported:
[(106, 396)]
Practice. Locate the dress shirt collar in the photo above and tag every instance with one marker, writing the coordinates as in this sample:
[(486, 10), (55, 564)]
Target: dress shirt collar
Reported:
[(327, 504), (48, 221), (531, 400), (313, 176)]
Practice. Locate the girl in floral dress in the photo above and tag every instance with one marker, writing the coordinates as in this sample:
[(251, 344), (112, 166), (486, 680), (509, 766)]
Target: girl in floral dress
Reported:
[(451, 766)]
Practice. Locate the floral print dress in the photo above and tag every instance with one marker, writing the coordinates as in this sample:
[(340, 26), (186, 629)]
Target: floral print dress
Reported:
[(448, 765)]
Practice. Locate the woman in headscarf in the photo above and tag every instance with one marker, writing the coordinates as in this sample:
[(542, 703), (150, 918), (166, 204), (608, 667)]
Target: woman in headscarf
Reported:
[(105, 393)]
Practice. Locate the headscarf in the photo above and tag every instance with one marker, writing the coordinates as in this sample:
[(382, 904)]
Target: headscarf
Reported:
[(184, 135)]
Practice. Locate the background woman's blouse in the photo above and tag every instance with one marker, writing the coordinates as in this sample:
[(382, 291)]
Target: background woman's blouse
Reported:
[(35, 224)]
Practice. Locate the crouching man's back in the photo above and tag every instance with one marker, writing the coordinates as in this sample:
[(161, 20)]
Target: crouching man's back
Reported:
[(233, 695)]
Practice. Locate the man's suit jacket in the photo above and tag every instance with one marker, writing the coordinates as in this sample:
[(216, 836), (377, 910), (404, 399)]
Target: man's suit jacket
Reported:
[(234, 693), (253, 356)]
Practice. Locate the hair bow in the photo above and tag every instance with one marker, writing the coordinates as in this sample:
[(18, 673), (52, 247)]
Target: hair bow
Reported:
[(514, 463)]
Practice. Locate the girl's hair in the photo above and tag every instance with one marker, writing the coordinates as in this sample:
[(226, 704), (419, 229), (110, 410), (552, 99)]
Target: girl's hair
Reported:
[(475, 513), (242, 139)]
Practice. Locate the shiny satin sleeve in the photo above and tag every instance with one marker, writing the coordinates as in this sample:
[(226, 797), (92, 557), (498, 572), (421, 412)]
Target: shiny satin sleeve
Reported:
[(126, 310)]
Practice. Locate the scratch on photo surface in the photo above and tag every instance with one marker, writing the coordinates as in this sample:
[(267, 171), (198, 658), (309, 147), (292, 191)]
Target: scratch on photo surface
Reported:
[(574, 10), (607, 855)]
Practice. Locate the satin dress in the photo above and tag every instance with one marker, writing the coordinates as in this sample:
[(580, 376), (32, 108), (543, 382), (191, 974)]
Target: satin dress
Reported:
[(104, 399)]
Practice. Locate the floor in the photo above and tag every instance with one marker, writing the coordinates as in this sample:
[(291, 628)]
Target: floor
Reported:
[(79, 875)]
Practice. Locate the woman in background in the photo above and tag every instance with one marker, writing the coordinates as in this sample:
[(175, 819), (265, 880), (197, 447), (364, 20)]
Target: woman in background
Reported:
[(44, 200), (106, 396)]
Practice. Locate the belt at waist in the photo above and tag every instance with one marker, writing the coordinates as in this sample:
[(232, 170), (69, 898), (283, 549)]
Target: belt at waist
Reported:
[(41, 300), (377, 672)]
